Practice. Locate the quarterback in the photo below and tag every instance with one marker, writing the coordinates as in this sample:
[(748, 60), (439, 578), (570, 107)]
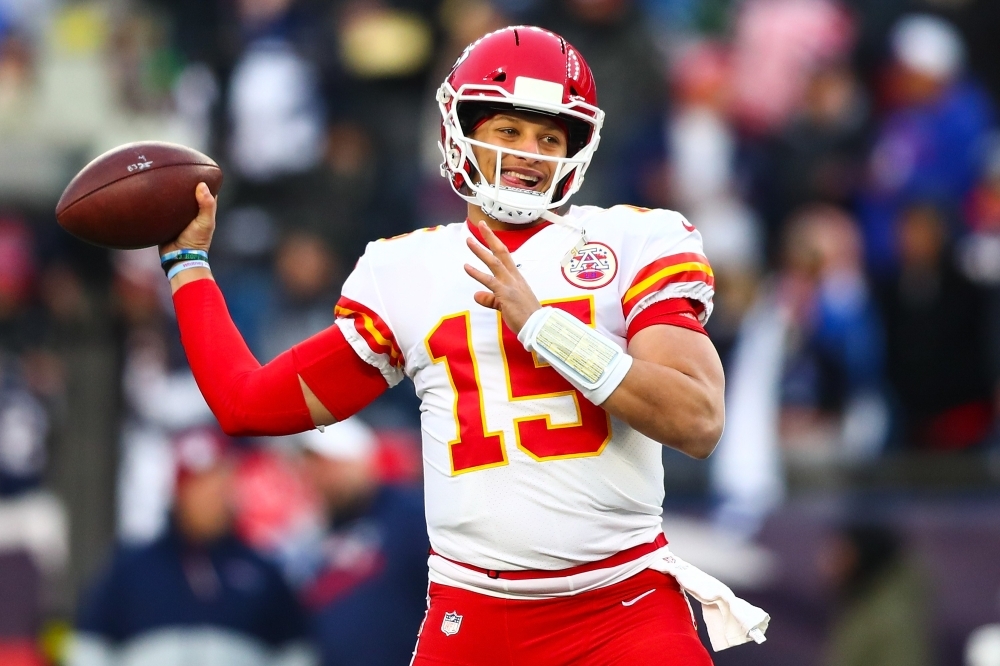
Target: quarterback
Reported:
[(553, 353)]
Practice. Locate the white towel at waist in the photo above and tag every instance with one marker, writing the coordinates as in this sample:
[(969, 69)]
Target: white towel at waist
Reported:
[(729, 620)]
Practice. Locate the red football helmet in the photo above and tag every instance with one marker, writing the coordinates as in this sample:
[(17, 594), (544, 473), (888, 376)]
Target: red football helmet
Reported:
[(528, 69)]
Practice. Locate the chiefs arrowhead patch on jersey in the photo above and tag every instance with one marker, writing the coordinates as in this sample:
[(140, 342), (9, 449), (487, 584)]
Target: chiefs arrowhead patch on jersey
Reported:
[(592, 267)]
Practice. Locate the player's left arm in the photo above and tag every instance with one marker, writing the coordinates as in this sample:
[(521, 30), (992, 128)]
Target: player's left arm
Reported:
[(674, 391)]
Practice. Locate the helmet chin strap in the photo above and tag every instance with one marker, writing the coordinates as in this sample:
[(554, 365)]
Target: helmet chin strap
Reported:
[(502, 212), (555, 218)]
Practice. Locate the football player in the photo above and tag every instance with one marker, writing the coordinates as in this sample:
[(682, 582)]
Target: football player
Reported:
[(553, 354)]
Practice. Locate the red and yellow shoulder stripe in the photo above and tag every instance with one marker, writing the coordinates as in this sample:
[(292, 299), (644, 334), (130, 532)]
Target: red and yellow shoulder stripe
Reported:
[(684, 267), (371, 328)]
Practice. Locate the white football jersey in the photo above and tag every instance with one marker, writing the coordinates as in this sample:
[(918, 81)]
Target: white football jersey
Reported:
[(520, 471)]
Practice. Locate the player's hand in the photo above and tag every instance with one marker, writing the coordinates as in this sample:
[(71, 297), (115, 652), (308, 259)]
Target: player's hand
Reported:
[(508, 291), (198, 234)]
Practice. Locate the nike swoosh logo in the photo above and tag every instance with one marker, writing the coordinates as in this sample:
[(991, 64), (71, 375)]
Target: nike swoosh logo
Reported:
[(644, 594)]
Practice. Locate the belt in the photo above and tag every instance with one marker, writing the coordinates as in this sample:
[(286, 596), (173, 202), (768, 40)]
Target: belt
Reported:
[(622, 557)]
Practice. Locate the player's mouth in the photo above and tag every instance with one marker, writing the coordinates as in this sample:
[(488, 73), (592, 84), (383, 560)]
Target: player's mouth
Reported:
[(522, 178)]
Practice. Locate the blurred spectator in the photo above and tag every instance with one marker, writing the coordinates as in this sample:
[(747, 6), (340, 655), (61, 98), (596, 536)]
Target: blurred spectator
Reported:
[(275, 101), (277, 510), (835, 355), (386, 50), (308, 277), (819, 155), (265, 81), (930, 146), (806, 377), (943, 387), (197, 595), (16, 70), (883, 616), (777, 45), (367, 597), (701, 142)]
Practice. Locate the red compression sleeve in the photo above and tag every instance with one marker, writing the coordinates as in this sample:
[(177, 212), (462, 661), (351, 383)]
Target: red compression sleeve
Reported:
[(246, 398), (673, 312), (335, 373)]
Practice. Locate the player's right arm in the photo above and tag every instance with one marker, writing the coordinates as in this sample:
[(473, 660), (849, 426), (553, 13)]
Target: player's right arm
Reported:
[(317, 382)]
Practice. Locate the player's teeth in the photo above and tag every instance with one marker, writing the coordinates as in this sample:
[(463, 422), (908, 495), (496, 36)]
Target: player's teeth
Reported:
[(528, 179)]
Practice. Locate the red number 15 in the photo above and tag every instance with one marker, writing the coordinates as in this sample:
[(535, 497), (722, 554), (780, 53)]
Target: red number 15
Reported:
[(528, 378)]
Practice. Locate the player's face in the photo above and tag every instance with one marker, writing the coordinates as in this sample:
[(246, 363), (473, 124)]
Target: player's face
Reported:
[(526, 132)]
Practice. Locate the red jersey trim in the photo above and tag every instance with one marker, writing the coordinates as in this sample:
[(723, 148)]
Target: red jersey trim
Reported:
[(615, 560), (682, 312), (513, 238), (371, 328), (677, 268)]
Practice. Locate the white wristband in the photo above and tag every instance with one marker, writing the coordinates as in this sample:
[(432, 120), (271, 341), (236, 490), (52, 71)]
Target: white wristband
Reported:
[(589, 361), (185, 265)]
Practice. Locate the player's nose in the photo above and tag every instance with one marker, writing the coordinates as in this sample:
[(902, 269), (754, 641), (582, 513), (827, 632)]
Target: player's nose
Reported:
[(530, 143)]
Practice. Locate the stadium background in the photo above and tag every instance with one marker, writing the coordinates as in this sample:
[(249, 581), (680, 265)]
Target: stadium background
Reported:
[(845, 175)]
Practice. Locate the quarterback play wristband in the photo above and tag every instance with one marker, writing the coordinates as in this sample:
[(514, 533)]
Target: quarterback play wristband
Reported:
[(588, 360)]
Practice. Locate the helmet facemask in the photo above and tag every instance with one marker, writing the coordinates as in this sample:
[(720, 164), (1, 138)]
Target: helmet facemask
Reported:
[(507, 204)]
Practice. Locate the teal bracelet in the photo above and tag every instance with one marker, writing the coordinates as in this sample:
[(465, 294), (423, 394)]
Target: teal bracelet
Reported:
[(170, 259)]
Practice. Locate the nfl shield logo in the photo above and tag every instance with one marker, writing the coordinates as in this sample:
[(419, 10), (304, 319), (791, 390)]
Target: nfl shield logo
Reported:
[(452, 623)]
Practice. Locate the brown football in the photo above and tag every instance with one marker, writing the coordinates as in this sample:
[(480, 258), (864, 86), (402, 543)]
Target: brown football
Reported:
[(136, 195)]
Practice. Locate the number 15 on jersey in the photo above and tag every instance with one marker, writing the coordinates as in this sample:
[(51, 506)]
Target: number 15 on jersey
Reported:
[(528, 379)]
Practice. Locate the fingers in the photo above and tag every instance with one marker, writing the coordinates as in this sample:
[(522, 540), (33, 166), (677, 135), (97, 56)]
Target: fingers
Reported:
[(496, 245), (482, 278), (486, 299), (486, 256), (206, 202), (204, 195)]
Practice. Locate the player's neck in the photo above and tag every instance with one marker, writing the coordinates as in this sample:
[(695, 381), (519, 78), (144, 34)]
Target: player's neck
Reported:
[(476, 214)]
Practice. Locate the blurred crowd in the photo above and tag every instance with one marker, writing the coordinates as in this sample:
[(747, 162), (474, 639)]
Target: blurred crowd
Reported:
[(841, 159)]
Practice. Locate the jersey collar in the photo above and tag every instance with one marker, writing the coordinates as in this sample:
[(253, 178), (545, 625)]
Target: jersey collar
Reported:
[(513, 239)]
